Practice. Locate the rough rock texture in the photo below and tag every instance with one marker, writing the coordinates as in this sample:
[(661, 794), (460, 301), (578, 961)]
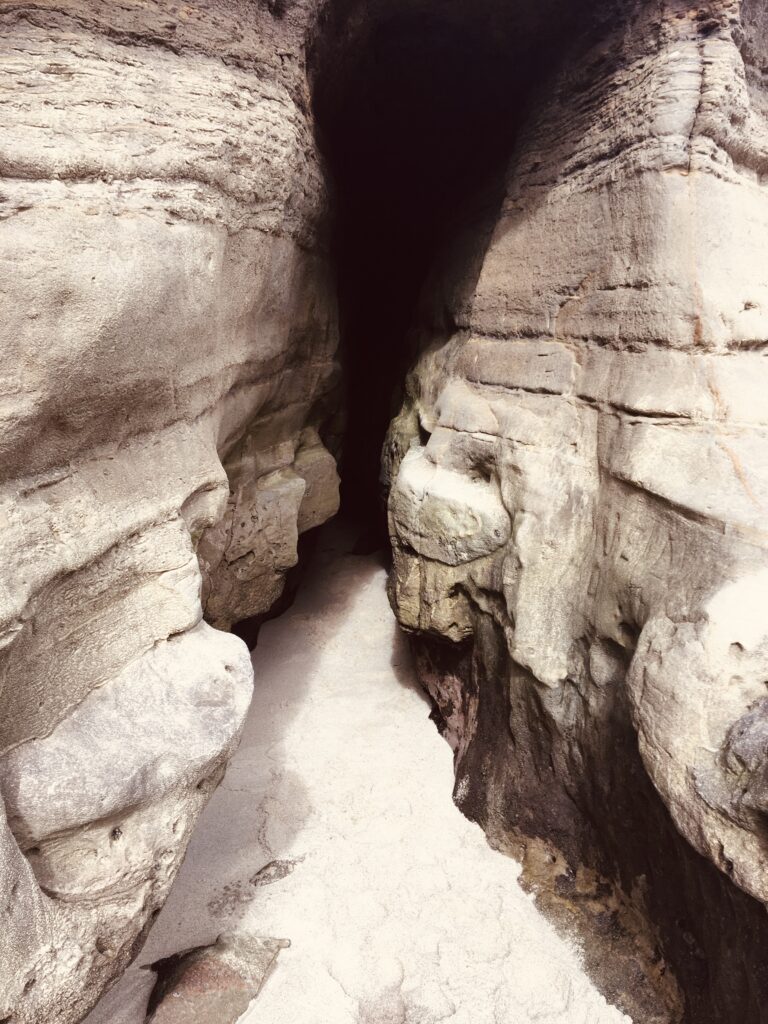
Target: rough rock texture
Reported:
[(214, 984), (579, 485), (168, 331)]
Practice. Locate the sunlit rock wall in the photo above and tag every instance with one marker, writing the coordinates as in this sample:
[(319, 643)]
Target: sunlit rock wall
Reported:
[(579, 489), (168, 333)]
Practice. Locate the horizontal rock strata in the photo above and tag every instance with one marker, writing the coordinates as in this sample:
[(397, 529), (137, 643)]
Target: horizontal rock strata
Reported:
[(579, 493), (169, 331)]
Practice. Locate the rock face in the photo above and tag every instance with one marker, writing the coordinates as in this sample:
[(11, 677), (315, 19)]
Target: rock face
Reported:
[(215, 984), (579, 485), (168, 328)]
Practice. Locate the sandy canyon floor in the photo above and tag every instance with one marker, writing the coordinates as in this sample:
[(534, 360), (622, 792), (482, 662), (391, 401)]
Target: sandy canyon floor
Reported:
[(334, 830)]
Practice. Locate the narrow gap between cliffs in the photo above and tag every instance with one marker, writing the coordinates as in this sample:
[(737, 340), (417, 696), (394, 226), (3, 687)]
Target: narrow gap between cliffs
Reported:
[(417, 107)]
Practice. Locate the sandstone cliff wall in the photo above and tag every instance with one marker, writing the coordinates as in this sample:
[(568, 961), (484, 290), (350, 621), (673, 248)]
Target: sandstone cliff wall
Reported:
[(579, 491), (168, 331)]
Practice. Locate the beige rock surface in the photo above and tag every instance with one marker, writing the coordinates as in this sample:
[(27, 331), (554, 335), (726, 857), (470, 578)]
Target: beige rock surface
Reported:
[(588, 510), (168, 331)]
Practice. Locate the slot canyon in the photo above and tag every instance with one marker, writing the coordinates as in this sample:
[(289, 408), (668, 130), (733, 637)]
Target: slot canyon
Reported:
[(384, 622)]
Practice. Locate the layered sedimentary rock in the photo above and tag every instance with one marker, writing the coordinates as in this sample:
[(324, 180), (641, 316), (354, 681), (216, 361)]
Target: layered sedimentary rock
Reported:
[(579, 485), (168, 330), (578, 474)]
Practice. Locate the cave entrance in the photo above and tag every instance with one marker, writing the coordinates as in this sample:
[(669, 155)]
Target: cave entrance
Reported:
[(417, 107)]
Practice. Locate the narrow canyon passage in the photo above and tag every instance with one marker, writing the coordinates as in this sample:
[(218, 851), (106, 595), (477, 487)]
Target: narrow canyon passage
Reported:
[(417, 111), (334, 829), (486, 279)]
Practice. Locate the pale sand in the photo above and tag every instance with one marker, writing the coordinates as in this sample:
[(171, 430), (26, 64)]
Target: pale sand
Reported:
[(397, 910)]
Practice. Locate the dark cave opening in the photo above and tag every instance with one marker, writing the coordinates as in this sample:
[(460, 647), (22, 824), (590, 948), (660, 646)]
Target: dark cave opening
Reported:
[(417, 107)]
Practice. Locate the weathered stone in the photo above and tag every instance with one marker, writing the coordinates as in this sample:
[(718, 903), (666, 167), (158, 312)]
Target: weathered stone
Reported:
[(215, 984), (605, 383), (168, 327)]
